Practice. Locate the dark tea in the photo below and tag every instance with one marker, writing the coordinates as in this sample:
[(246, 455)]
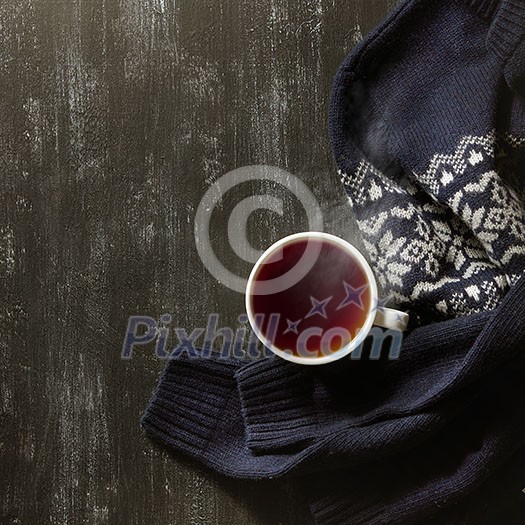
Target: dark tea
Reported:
[(320, 313)]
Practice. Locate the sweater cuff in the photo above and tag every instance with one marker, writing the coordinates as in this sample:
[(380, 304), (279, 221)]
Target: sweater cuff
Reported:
[(189, 401), (485, 8), (507, 29), (277, 400), (507, 24)]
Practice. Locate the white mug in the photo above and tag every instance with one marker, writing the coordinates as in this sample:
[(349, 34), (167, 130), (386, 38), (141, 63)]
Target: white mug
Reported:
[(376, 315)]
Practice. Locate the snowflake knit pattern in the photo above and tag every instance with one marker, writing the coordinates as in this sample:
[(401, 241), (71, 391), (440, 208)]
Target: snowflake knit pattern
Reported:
[(451, 241)]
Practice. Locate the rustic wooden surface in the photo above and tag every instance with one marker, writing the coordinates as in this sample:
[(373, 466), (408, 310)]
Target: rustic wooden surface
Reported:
[(116, 116)]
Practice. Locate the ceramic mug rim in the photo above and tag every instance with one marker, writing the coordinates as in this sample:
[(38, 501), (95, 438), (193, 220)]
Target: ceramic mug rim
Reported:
[(349, 249)]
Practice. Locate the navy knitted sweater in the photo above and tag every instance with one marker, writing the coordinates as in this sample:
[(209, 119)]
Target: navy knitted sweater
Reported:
[(428, 131)]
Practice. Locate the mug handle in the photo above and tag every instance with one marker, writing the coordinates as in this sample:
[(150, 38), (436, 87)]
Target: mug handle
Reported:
[(391, 319)]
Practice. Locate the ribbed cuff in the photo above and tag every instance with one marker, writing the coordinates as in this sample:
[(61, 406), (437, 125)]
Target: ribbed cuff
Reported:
[(277, 399), (508, 28), (189, 402), (485, 8), (507, 24)]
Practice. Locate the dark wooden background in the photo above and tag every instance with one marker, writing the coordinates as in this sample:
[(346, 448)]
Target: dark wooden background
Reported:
[(115, 117)]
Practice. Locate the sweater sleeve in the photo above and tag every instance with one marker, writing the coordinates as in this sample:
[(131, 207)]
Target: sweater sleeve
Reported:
[(196, 410), (284, 404)]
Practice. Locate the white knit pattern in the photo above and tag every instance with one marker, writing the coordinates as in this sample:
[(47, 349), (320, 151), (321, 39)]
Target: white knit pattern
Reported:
[(453, 239)]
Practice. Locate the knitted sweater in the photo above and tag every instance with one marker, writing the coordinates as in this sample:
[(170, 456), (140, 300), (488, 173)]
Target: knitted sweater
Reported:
[(427, 125)]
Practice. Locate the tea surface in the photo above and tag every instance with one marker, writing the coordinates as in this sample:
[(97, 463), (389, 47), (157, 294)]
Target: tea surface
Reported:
[(323, 311)]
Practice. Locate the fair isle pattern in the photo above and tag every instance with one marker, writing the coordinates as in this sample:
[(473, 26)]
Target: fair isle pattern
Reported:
[(451, 241)]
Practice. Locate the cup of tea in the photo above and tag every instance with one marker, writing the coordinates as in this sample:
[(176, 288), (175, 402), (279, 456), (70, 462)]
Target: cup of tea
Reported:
[(312, 298)]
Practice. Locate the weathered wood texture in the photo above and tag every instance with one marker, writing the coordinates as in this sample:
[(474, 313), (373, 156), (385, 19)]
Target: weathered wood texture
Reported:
[(116, 116)]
